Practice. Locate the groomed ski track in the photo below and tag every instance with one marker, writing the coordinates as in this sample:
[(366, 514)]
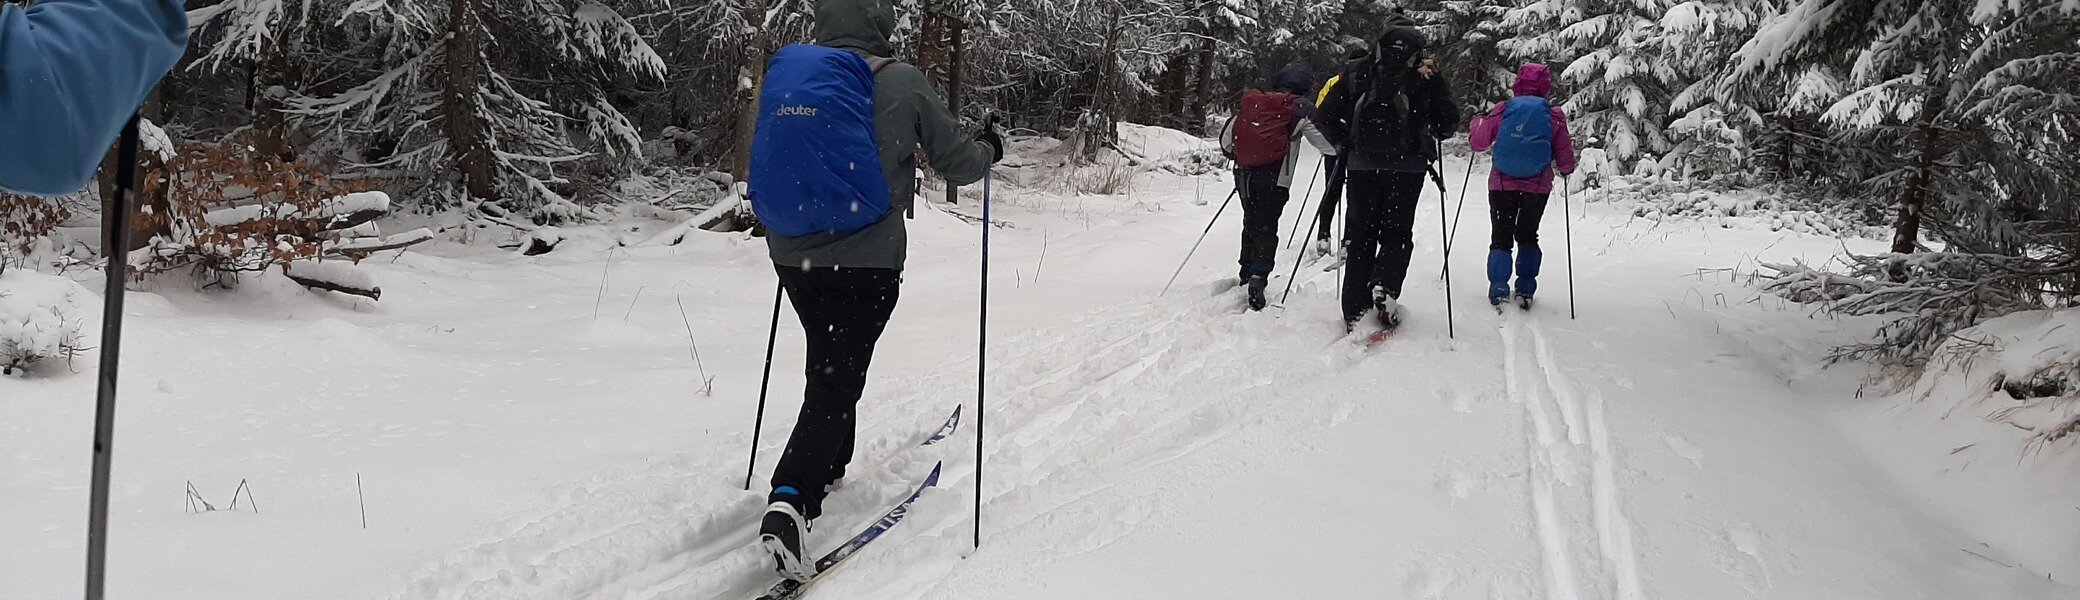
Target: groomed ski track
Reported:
[(1178, 447), (1672, 443)]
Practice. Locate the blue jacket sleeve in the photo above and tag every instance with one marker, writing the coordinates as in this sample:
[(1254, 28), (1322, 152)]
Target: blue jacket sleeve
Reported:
[(71, 74)]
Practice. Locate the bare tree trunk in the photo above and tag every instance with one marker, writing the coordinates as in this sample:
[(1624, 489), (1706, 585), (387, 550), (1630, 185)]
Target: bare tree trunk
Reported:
[(1906, 234), (273, 77), (1098, 127), (469, 135), (953, 92), (752, 70), (1172, 90), (1202, 96), (158, 203)]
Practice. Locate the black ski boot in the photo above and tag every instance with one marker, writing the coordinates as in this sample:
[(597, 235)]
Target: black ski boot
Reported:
[(1524, 301), (783, 533), (1257, 283)]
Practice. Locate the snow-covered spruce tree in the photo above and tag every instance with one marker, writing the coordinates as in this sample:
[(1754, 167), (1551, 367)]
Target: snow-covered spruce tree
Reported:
[(1614, 68), (1467, 37), (1712, 127), (278, 43), (1076, 69), (1970, 109), (488, 98)]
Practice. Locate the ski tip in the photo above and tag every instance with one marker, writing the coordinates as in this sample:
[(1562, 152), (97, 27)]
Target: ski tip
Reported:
[(933, 479)]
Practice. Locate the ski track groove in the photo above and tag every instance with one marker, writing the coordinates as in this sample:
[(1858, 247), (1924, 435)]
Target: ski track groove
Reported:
[(1159, 381), (1583, 414), (1562, 577), (1613, 530)]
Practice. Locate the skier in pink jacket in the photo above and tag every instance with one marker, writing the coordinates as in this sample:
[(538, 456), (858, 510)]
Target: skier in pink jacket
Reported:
[(1530, 141)]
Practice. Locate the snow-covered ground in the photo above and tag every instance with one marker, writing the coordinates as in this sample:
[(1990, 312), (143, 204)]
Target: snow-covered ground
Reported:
[(537, 427)]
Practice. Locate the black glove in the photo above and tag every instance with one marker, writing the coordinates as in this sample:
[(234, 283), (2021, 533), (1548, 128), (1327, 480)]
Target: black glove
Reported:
[(995, 141)]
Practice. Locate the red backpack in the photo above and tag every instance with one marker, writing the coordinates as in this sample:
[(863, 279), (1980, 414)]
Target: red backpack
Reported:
[(1264, 128)]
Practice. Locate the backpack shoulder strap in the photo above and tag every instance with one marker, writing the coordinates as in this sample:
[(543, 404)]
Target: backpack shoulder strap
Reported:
[(877, 63)]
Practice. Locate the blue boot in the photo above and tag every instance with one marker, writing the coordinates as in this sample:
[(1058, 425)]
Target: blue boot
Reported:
[(1527, 271), (1498, 276)]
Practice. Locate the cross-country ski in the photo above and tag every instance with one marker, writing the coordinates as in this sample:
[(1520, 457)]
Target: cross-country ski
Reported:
[(788, 589), (996, 300)]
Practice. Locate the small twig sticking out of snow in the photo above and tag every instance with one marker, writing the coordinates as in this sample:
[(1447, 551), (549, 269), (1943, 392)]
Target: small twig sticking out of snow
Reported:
[(632, 304), (196, 503), (707, 383), (243, 487), (603, 269), (362, 499), (1043, 257)]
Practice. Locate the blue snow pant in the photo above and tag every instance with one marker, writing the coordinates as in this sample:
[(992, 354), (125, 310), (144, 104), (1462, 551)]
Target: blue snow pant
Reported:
[(1515, 216)]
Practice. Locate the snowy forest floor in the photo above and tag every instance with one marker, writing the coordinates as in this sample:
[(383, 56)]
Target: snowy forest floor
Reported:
[(534, 428)]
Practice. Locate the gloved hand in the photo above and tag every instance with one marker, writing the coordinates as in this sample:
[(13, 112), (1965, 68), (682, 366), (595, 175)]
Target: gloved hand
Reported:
[(995, 140)]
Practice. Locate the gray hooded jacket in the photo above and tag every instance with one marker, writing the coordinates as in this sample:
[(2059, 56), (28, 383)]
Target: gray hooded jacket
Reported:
[(908, 115)]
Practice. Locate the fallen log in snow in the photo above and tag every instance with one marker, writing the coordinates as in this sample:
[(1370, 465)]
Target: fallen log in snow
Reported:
[(360, 249), (333, 276)]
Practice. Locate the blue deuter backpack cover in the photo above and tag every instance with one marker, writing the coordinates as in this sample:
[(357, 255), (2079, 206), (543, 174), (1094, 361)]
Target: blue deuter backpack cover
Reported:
[(815, 162), (1524, 145)]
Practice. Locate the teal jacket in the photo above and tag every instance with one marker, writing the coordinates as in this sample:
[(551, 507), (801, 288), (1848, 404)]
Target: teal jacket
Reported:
[(71, 74), (908, 116)]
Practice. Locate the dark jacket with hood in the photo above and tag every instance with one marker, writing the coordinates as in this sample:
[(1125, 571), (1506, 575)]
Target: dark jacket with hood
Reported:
[(908, 115), (1429, 102)]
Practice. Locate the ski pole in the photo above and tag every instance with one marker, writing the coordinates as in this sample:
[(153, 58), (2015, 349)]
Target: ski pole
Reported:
[(1290, 236), (765, 383), (115, 246), (1202, 240), (1567, 220), (1298, 257), (1461, 211), (1451, 326), (982, 365)]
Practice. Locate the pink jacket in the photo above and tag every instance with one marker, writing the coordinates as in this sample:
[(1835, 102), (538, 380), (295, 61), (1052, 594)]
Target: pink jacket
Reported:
[(1532, 80)]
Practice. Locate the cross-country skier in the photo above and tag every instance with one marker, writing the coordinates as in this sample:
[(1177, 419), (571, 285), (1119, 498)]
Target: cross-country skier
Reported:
[(833, 166), (71, 74), (1264, 139), (1387, 114), (1530, 141), (1332, 168)]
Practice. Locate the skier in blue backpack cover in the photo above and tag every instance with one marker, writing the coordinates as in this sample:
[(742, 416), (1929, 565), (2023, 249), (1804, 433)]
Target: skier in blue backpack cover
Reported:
[(833, 168), (1529, 138), (71, 74)]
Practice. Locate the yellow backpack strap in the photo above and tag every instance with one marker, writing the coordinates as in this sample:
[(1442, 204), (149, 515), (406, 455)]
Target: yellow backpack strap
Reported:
[(1323, 98)]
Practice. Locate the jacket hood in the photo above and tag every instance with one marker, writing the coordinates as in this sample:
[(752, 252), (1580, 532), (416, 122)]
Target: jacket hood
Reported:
[(1295, 79), (1533, 80), (1400, 44), (864, 25)]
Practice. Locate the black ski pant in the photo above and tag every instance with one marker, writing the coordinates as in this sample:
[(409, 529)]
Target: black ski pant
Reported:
[(1263, 201), (843, 312), (1332, 168), (1378, 236), (1515, 216)]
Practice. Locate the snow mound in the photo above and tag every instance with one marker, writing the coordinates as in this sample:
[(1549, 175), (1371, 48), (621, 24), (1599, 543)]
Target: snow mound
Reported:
[(356, 202), (41, 317), (1033, 161), (1752, 209), (2026, 368)]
